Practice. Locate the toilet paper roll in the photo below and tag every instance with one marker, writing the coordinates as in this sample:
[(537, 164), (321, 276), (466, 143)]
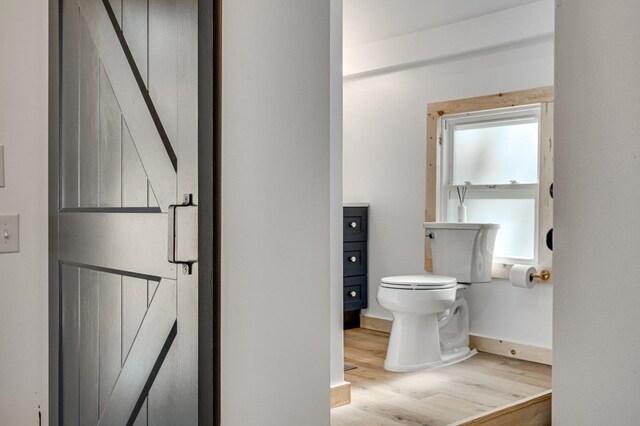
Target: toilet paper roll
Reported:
[(520, 276)]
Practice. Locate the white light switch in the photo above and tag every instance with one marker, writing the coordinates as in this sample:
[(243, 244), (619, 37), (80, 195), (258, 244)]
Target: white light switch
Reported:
[(1, 166), (9, 234)]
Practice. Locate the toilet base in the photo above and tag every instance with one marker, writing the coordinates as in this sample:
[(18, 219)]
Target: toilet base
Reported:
[(448, 358), (451, 358)]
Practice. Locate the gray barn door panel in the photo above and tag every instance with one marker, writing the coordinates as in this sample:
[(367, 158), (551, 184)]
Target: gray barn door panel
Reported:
[(145, 128), (127, 151)]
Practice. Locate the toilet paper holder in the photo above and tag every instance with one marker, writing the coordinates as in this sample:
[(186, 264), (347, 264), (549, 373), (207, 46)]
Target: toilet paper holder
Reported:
[(544, 275)]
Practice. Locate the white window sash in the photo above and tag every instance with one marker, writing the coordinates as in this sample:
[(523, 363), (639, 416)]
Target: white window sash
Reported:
[(448, 124)]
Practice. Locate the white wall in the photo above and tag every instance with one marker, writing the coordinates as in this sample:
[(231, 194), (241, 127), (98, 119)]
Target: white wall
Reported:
[(336, 292), (23, 275), (275, 224), (385, 145), (596, 379)]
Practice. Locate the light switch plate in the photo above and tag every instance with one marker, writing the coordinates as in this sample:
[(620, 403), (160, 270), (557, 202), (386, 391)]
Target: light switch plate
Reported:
[(1, 166), (10, 234)]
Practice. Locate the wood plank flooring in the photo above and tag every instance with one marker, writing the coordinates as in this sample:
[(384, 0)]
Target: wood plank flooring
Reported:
[(434, 397)]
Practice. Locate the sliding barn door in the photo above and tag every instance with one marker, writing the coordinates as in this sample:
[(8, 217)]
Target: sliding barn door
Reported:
[(127, 221)]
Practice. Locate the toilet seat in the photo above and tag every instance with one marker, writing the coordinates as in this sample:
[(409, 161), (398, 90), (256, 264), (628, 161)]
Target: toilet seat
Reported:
[(418, 282)]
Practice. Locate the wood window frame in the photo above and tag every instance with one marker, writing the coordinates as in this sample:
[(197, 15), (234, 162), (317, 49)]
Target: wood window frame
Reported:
[(435, 112)]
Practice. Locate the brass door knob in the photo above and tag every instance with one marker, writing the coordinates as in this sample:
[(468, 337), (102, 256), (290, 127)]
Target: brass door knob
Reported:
[(353, 225), (352, 259), (353, 293)]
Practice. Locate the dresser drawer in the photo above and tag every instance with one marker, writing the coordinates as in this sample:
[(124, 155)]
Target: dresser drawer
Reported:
[(354, 225), (355, 293), (354, 259)]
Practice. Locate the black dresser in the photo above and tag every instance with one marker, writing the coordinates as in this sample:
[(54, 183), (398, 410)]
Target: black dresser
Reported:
[(354, 260)]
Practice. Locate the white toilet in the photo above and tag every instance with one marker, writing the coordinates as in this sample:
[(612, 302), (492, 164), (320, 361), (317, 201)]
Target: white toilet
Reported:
[(430, 315)]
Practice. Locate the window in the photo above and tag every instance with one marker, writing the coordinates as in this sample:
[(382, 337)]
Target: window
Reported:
[(497, 150), (492, 156)]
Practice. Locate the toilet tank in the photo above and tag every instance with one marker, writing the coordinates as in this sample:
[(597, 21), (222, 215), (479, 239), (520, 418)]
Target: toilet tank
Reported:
[(462, 250)]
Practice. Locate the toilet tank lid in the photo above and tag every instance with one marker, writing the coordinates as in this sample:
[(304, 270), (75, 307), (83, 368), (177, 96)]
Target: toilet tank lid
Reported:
[(445, 225), (420, 280)]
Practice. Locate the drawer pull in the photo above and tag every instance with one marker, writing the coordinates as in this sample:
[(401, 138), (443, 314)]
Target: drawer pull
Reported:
[(354, 225), (352, 259), (353, 293)]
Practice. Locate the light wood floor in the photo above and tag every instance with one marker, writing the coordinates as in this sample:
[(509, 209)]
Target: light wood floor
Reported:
[(435, 397)]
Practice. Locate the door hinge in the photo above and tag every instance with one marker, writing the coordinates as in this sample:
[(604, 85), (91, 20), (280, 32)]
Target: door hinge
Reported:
[(183, 234)]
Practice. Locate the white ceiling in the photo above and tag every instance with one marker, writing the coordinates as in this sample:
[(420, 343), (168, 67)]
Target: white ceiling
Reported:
[(365, 21)]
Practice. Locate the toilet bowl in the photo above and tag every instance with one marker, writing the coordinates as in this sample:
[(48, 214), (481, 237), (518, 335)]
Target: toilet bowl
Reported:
[(416, 302), (430, 315)]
